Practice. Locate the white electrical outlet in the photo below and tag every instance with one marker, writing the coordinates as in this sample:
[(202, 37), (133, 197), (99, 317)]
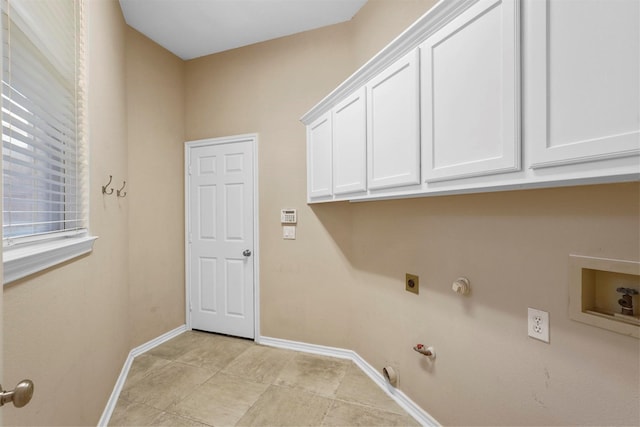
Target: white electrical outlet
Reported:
[(538, 324)]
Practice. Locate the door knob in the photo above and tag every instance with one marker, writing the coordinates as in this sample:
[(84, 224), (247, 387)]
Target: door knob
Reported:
[(20, 396), (246, 252)]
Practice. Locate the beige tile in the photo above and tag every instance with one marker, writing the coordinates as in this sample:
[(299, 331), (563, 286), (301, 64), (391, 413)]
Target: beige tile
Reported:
[(316, 374), (359, 388), (133, 414), (143, 365), (254, 385), (215, 352), (221, 401), (350, 414), (284, 406), (260, 364), (172, 420), (166, 385), (177, 346)]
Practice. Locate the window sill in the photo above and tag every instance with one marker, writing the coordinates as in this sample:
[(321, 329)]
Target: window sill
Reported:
[(21, 261)]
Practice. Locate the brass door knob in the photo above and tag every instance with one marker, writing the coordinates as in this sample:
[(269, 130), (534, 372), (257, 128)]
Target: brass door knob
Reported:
[(20, 396)]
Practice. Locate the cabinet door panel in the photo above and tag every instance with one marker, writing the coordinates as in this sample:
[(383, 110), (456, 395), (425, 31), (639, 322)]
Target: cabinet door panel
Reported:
[(470, 94), (393, 140), (350, 145), (585, 90), (319, 157)]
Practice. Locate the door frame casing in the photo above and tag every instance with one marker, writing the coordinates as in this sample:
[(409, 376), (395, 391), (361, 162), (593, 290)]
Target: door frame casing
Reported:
[(255, 258)]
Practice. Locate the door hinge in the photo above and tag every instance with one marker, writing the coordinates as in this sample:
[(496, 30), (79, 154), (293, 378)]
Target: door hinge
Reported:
[(190, 307), (189, 170), (190, 237)]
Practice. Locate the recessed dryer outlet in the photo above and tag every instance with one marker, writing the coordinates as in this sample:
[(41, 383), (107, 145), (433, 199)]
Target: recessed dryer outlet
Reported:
[(412, 283)]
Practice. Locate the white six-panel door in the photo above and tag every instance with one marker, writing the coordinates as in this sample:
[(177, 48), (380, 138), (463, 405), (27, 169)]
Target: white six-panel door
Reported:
[(220, 241)]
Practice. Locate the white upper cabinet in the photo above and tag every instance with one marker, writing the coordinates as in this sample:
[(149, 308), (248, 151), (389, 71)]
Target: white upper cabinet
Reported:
[(585, 81), (350, 144), (486, 95), (471, 95), (319, 157), (393, 125)]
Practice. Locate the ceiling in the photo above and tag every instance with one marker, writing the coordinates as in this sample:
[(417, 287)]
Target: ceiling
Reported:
[(193, 28)]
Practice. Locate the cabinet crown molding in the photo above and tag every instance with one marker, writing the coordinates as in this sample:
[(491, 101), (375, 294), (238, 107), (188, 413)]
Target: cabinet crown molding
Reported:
[(435, 18)]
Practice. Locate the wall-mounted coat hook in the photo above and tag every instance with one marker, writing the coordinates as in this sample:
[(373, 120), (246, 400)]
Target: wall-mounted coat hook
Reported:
[(121, 193), (104, 187)]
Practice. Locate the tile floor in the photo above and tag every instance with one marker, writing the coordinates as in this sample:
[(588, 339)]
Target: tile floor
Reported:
[(201, 379)]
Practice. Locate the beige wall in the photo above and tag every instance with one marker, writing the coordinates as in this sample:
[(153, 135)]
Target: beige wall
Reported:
[(155, 105), (381, 21), (514, 248), (341, 282), (67, 328), (70, 329), (265, 88)]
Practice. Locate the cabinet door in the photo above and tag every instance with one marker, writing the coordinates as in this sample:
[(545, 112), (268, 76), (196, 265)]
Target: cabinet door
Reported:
[(350, 144), (583, 76), (393, 140), (319, 157), (470, 93)]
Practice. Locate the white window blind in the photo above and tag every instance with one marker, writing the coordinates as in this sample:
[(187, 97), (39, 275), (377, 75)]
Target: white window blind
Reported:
[(43, 117)]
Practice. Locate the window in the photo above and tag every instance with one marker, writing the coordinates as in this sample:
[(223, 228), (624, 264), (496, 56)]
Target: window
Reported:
[(43, 135)]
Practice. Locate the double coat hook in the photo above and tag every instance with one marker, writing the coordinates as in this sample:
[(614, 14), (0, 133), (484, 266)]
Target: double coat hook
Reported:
[(109, 191)]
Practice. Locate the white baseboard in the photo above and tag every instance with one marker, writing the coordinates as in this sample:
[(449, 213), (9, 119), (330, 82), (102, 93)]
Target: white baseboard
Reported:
[(419, 414), (113, 399)]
